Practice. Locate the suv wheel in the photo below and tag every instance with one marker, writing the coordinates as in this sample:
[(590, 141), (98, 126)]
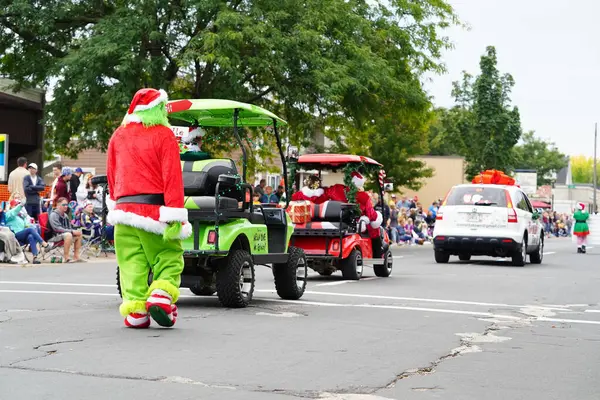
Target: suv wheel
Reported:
[(536, 258), (441, 257), (520, 256), (464, 257)]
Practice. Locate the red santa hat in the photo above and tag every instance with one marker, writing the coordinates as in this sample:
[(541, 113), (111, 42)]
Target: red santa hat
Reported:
[(357, 179), (580, 206), (145, 99)]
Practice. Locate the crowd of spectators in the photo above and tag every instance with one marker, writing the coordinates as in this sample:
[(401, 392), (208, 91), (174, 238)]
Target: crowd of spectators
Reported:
[(72, 210)]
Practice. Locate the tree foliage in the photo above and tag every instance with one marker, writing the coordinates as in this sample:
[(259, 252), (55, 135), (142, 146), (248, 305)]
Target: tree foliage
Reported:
[(343, 65), (448, 131), (582, 169), (540, 155), (489, 126)]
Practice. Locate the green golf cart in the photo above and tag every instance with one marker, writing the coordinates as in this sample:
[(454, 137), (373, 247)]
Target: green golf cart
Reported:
[(231, 234)]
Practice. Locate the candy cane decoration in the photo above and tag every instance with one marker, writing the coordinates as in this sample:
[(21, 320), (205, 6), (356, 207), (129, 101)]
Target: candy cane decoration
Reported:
[(381, 177)]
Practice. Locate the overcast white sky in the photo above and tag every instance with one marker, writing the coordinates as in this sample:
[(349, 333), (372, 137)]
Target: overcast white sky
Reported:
[(552, 49)]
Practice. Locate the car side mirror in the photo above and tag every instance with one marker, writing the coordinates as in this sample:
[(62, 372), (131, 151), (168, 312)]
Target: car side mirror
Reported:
[(535, 215)]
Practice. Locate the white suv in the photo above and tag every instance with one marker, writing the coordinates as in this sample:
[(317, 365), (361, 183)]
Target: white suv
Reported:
[(488, 220)]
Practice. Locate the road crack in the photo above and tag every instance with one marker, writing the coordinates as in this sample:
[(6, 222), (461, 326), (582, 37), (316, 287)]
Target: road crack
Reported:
[(58, 342), (467, 345)]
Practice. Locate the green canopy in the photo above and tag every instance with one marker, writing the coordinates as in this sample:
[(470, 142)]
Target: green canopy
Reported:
[(219, 113)]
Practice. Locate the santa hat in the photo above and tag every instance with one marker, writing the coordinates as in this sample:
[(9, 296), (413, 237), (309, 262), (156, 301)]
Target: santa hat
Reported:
[(196, 132), (580, 206), (357, 179), (145, 99)]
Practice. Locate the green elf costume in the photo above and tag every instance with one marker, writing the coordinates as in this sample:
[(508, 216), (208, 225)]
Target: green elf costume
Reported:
[(146, 206), (581, 229)]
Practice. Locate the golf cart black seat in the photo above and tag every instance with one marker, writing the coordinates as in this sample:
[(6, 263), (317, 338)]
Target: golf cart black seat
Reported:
[(200, 180), (209, 203), (200, 177), (334, 211)]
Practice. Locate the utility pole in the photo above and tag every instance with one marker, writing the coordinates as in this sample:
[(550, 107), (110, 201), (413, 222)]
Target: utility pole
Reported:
[(595, 174)]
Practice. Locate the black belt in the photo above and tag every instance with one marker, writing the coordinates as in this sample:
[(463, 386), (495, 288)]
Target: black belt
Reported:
[(154, 199)]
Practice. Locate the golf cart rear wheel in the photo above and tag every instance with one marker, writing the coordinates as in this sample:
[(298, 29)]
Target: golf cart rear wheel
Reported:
[(290, 278), (235, 280), (119, 280), (384, 270), (203, 290), (352, 267)]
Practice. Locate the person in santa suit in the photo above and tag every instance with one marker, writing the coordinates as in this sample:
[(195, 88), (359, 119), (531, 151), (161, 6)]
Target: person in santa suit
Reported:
[(311, 191), (192, 142), (370, 218), (146, 206)]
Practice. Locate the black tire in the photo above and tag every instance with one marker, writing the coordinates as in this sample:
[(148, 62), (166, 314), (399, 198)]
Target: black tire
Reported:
[(290, 278), (538, 256), (441, 257), (352, 267), (203, 290), (384, 270), (232, 279), (464, 257), (519, 257)]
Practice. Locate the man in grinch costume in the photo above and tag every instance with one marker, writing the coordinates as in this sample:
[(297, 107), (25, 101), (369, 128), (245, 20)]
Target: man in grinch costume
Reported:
[(147, 209), (581, 229)]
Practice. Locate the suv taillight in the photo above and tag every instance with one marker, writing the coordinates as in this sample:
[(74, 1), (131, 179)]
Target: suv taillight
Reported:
[(512, 214), (439, 215)]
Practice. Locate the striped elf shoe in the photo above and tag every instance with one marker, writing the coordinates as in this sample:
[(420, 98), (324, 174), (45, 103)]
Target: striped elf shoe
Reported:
[(160, 308), (137, 321)]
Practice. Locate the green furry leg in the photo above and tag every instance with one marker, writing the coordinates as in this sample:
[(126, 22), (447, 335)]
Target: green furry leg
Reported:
[(167, 287), (133, 269), (132, 306)]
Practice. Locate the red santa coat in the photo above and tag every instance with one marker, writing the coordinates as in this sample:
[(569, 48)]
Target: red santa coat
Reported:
[(317, 196), (144, 161)]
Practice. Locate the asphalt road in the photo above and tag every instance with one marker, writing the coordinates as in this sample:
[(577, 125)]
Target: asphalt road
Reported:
[(465, 330)]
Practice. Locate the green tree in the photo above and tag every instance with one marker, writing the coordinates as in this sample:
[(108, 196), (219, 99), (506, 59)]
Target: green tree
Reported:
[(352, 63), (447, 131), (582, 169), (540, 155), (495, 127)]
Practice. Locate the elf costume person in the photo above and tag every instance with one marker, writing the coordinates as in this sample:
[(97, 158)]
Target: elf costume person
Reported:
[(580, 228), (146, 206)]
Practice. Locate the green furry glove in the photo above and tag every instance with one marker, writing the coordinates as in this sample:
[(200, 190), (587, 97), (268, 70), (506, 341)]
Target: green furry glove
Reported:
[(173, 231)]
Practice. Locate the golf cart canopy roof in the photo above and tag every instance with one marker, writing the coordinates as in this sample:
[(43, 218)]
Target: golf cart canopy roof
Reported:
[(333, 160), (219, 113)]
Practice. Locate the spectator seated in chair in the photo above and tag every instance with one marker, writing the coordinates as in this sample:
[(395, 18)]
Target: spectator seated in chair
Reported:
[(63, 230), (91, 224), (26, 232)]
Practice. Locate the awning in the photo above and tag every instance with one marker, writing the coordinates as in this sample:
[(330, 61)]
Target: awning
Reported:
[(540, 204)]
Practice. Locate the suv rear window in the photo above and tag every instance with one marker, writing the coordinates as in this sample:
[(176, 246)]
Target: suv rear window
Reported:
[(477, 196)]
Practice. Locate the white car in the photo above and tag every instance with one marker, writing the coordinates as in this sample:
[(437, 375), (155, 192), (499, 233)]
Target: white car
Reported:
[(488, 220)]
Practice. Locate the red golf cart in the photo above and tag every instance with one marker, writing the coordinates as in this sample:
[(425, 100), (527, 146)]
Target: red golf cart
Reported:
[(331, 233)]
